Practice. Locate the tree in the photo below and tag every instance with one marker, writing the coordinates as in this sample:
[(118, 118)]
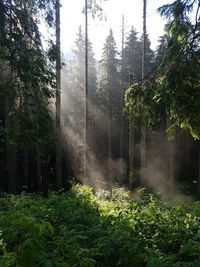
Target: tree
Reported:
[(179, 84), (75, 96), (86, 90), (92, 98), (171, 144), (132, 57), (95, 8), (143, 149), (58, 95), (132, 73), (161, 50), (109, 92), (32, 79), (122, 120), (173, 90)]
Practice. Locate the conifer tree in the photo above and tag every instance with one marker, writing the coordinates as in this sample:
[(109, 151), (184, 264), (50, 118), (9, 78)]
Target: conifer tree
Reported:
[(132, 57), (58, 100), (23, 56), (109, 93), (76, 96)]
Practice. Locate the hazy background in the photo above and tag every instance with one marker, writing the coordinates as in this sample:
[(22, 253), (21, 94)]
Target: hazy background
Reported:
[(72, 17)]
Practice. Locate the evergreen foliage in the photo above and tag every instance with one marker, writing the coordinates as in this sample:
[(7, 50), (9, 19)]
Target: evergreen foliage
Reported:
[(30, 78), (175, 83), (132, 57), (179, 84), (109, 93)]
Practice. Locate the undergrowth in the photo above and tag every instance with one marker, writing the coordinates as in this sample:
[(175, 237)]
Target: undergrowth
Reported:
[(77, 228)]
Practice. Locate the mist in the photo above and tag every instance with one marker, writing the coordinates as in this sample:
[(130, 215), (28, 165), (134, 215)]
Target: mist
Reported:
[(108, 133)]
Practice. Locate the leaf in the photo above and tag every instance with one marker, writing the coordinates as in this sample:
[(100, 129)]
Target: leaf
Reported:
[(154, 262), (186, 250)]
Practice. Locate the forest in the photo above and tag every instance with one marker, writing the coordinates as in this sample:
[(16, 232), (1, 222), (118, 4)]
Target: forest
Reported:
[(99, 159)]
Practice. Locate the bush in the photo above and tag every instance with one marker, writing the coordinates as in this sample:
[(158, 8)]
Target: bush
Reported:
[(79, 229)]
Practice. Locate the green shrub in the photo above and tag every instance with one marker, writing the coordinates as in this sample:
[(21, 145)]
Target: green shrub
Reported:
[(77, 228)]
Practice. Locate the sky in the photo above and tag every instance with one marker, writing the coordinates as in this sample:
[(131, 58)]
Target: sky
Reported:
[(72, 17)]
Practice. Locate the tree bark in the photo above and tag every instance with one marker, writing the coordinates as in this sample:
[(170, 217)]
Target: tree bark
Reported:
[(26, 167), (109, 137), (171, 160), (143, 148), (58, 100), (10, 154), (11, 168), (122, 104), (198, 187), (86, 91), (39, 168), (109, 120), (131, 143), (10, 148)]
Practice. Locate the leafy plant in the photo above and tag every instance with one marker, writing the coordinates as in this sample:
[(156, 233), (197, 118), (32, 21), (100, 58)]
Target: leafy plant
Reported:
[(77, 228)]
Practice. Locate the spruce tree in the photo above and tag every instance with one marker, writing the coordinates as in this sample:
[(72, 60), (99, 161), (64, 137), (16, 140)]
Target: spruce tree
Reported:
[(31, 79), (132, 57), (109, 96), (75, 97)]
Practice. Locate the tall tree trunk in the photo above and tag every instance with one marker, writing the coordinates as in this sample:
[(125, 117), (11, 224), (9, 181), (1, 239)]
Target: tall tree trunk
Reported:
[(26, 167), (143, 126), (171, 160), (39, 168), (109, 121), (86, 91), (58, 98), (45, 178), (10, 148), (131, 143), (198, 187), (11, 168), (95, 128), (10, 154), (109, 137), (122, 103)]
